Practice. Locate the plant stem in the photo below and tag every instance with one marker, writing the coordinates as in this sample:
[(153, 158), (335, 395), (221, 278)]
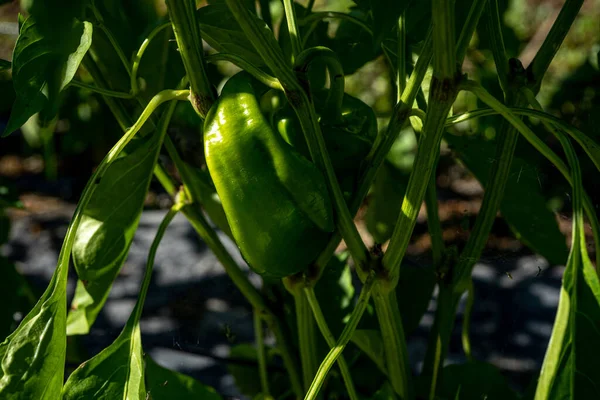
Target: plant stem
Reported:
[(322, 324), (333, 107), (294, 32), (189, 41), (468, 28), (466, 340), (104, 92), (260, 351), (343, 340), (259, 74), (444, 42), (138, 56), (392, 334), (306, 338), (433, 221), (559, 30), (401, 55), (209, 236)]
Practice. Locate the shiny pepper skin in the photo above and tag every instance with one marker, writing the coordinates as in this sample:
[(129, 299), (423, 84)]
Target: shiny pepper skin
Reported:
[(275, 200)]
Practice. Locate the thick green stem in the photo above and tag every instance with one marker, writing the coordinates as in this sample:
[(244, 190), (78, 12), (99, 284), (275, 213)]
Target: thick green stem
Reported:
[(392, 334), (444, 42), (322, 324), (434, 225), (189, 41), (468, 28), (306, 338), (292, 25), (442, 95), (343, 340)]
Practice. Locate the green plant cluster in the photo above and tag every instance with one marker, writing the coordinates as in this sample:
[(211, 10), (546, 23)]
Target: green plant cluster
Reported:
[(286, 160)]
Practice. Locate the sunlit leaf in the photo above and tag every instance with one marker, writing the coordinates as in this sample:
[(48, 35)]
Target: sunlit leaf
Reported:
[(106, 231), (43, 64)]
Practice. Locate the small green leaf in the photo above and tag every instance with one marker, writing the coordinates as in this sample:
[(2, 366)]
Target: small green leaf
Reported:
[(164, 384), (222, 32), (4, 65), (386, 392), (43, 64), (370, 342), (523, 205), (106, 231), (474, 381)]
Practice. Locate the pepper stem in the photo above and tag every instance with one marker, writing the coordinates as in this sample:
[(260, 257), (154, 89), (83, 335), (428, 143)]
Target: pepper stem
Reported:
[(333, 107)]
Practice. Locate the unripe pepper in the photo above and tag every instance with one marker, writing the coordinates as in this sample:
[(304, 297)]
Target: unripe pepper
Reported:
[(348, 138), (275, 200)]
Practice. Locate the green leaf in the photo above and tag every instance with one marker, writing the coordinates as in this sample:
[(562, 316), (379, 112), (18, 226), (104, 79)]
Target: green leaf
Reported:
[(386, 392), (43, 64), (107, 227), (414, 291), (5, 65), (476, 380), (164, 384), (571, 368), (222, 32), (247, 378), (335, 293), (385, 201), (370, 342), (117, 372), (523, 205), (33, 356)]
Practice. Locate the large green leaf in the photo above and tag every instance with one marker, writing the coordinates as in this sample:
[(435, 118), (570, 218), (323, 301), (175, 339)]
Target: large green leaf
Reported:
[(44, 62), (106, 231), (164, 384), (523, 205), (222, 32), (117, 372), (571, 368), (33, 356)]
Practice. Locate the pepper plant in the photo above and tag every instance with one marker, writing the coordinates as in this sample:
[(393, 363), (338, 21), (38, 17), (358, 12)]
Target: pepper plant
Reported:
[(288, 158)]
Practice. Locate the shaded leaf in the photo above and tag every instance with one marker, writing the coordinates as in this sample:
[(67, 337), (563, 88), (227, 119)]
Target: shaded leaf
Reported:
[(222, 32), (474, 381), (385, 201), (247, 378), (33, 356), (414, 291), (43, 64), (164, 384), (523, 205), (370, 342), (115, 373), (106, 231), (571, 368), (4, 65)]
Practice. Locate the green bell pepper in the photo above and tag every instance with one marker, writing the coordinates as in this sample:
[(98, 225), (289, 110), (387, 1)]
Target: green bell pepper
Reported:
[(275, 200)]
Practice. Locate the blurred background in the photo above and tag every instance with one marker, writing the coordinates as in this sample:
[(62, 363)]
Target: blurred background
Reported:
[(193, 314)]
